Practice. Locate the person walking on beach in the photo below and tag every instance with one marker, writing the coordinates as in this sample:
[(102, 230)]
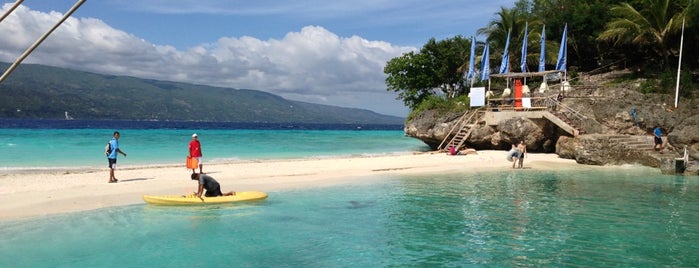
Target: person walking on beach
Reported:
[(213, 188), (195, 151), (522, 148), (658, 139), (112, 153), (514, 154)]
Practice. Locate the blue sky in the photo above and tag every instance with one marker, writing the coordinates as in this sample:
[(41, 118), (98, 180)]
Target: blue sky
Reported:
[(326, 52)]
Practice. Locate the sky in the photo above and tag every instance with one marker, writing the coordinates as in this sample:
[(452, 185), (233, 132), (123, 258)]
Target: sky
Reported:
[(317, 51)]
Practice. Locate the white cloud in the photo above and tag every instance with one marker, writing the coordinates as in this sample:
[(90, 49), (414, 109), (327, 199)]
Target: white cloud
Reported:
[(313, 64)]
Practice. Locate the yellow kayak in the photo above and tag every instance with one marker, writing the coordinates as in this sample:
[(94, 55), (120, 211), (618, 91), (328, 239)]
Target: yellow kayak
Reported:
[(178, 200)]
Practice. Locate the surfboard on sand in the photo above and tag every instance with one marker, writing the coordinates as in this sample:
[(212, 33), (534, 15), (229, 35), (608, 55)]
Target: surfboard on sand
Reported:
[(179, 200)]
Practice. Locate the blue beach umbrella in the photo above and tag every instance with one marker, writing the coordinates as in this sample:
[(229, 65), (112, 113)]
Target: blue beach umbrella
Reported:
[(505, 55)]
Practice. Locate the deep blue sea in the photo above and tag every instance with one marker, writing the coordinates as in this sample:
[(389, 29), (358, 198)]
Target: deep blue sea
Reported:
[(622, 217)]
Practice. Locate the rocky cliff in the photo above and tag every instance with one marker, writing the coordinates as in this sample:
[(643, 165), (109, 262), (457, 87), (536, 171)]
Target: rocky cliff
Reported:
[(608, 110)]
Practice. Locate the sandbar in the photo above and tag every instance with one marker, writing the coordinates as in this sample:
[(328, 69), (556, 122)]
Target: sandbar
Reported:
[(41, 193)]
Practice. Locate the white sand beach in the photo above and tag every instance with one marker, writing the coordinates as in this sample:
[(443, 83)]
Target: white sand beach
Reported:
[(38, 193)]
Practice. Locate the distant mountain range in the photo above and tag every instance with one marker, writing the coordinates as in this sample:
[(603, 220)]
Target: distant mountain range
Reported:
[(37, 91)]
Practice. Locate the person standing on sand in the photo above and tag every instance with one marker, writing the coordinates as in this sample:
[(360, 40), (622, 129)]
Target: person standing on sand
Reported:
[(213, 188), (658, 139), (112, 155), (195, 151), (514, 154), (522, 151)]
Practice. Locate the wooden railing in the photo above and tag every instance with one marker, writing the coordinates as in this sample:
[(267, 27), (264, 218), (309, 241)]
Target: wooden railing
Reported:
[(549, 103), (508, 104), (545, 103)]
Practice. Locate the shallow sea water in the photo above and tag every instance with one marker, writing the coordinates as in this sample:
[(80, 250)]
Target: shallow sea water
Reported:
[(630, 217), (84, 148)]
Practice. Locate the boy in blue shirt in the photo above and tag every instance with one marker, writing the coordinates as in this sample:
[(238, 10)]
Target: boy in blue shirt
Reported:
[(658, 139), (112, 156)]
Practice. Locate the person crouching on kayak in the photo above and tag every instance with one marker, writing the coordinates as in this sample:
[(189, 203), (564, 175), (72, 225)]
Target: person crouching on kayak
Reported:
[(213, 188)]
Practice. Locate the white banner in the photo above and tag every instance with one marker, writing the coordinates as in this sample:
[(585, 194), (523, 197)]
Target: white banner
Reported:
[(477, 96)]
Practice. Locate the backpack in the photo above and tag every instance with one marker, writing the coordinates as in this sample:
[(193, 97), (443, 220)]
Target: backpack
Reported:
[(108, 149)]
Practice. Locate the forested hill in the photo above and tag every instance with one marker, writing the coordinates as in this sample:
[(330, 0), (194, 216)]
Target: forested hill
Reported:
[(36, 91)]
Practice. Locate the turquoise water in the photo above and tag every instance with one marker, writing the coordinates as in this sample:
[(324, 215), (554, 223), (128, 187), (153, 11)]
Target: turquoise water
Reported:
[(60, 148), (629, 217)]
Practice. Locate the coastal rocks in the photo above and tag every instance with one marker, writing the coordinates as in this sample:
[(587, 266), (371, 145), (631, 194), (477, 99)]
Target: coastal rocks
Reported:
[(484, 136), (535, 134), (608, 112), (430, 127), (686, 134), (612, 107), (598, 149)]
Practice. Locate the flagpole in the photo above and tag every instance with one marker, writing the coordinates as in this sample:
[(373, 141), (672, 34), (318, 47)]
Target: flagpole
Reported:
[(679, 67)]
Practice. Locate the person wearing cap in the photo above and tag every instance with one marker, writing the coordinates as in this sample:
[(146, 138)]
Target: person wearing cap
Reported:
[(195, 151)]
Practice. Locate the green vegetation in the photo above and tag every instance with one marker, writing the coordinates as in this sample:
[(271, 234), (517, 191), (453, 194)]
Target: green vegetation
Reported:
[(651, 24), (35, 91), (666, 83), (641, 35), (417, 76), (459, 104)]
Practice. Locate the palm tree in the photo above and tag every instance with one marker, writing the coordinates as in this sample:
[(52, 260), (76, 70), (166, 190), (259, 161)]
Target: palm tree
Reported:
[(651, 26), (511, 20), (497, 29)]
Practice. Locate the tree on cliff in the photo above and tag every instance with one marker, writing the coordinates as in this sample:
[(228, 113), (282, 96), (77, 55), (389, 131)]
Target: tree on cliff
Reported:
[(638, 33), (416, 76), (651, 26), (512, 21)]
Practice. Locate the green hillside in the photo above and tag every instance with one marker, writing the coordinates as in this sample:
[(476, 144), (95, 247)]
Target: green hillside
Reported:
[(36, 91)]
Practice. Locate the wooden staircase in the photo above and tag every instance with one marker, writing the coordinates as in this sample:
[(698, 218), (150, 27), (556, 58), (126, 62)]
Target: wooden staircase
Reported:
[(576, 124), (461, 130), (569, 116)]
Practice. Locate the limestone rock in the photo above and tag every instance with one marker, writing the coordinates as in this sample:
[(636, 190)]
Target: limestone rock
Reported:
[(608, 111), (686, 134)]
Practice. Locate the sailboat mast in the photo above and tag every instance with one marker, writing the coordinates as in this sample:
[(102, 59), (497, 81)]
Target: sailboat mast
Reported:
[(41, 39), (14, 6)]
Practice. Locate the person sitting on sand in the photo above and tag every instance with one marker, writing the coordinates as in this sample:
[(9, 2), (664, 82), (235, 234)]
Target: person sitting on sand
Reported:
[(467, 151), (452, 151), (213, 188)]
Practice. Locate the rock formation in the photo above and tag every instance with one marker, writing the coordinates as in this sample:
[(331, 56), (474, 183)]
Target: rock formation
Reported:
[(607, 107)]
